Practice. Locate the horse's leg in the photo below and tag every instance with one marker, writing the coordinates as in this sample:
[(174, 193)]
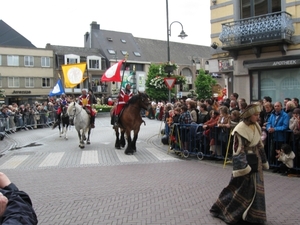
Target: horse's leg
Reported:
[(135, 137), (88, 138), (129, 149), (66, 130), (122, 140), (117, 143), (59, 130), (81, 143)]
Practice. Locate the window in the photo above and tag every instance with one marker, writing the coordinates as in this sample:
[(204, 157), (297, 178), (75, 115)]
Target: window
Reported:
[(45, 61), (13, 82), (0, 81), (72, 59), (124, 52), (29, 82), (274, 83), (251, 8), (137, 54), (45, 82), (123, 41), (94, 64), (13, 60), (28, 60), (112, 52), (0, 60)]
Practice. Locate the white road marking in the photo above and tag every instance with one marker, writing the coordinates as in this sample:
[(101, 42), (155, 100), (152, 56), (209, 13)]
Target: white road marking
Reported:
[(89, 157), (125, 158), (160, 155), (52, 159), (14, 162)]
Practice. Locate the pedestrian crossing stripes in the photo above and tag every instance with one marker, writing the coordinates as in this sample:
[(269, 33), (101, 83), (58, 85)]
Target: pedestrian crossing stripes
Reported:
[(14, 162), (88, 158), (52, 159), (125, 158)]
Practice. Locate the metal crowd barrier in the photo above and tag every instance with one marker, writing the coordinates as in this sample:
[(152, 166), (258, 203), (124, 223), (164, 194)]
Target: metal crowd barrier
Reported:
[(192, 140), (14, 123)]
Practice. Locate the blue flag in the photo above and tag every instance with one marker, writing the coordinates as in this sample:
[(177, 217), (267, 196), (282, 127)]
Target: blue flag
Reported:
[(58, 89)]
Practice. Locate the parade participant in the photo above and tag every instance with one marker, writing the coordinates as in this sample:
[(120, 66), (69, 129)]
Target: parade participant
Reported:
[(15, 205), (62, 102), (85, 100), (124, 96), (244, 198)]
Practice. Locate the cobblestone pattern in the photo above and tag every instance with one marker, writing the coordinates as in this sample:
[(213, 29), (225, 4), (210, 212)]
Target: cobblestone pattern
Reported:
[(170, 192)]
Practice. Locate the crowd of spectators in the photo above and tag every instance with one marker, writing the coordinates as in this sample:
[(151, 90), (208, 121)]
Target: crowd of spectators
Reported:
[(280, 123), (14, 117)]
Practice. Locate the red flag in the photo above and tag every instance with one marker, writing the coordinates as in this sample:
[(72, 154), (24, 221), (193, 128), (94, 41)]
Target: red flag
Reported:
[(113, 73)]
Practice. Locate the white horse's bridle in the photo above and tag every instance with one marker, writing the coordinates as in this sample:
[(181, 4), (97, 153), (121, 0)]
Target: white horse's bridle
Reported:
[(74, 110)]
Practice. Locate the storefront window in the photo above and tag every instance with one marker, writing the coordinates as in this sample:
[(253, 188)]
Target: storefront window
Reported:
[(254, 86), (280, 83)]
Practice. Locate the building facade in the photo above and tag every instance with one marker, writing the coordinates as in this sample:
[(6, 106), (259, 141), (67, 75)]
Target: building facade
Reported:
[(258, 41), (95, 67), (26, 74)]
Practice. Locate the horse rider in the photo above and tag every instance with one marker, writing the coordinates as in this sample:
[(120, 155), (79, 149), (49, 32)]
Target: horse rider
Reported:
[(86, 101), (60, 102), (123, 98)]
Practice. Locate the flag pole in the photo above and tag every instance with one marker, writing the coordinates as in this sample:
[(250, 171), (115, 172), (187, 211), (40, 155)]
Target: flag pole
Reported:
[(89, 85), (126, 56)]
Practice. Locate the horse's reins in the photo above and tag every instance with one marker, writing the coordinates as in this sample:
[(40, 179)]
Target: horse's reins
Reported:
[(81, 108)]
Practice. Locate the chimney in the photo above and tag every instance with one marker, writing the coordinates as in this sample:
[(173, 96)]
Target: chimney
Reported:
[(86, 36), (95, 26)]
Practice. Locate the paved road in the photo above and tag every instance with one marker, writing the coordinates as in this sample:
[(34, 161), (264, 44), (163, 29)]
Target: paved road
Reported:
[(100, 185)]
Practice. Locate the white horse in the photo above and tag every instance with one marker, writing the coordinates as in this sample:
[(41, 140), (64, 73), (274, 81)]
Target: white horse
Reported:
[(81, 120)]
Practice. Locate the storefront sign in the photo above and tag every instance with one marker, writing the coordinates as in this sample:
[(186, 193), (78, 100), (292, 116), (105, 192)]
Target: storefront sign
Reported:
[(279, 62), (21, 92), (287, 62)]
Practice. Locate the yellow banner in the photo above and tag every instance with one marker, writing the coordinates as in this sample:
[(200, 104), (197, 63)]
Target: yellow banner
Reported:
[(73, 74)]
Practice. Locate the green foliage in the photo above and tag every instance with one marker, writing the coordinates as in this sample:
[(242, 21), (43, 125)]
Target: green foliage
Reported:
[(152, 91), (102, 108), (203, 85), (2, 93), (155, 85)]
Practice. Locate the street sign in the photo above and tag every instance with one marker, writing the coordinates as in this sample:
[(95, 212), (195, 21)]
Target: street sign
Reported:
[(170, 82)]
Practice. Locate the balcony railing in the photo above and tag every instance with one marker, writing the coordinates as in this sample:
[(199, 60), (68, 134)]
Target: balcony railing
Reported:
[(268, 28)]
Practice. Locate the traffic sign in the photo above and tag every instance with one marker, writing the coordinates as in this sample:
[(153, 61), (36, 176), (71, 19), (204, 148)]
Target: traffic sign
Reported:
[(170, 82)]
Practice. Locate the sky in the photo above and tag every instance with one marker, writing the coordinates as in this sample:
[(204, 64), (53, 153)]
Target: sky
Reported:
[(64, 22)]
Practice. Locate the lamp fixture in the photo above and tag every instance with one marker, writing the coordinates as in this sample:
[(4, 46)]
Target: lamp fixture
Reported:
[(214, 2), (182, 34)]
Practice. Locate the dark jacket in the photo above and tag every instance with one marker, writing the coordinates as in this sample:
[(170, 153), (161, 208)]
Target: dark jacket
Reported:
[(19, 210)]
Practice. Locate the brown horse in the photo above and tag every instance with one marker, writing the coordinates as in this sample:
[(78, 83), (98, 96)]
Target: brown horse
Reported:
[(130, 119)]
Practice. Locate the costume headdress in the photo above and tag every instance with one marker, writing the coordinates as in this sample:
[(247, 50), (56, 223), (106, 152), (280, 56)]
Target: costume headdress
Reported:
[(250, 110)]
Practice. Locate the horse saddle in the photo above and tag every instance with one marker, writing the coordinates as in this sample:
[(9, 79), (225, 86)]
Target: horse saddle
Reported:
[(87, 111)]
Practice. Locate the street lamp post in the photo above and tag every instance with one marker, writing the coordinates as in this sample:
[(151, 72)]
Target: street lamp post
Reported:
[(182, 35)]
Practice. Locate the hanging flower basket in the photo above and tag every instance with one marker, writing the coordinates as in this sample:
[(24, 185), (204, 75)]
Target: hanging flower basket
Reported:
[(169, 67), (179, 79)]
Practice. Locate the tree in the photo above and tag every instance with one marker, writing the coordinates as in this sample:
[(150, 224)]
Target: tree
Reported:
[(152, 90), (2, 93), (203, 85), (155, 84)]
